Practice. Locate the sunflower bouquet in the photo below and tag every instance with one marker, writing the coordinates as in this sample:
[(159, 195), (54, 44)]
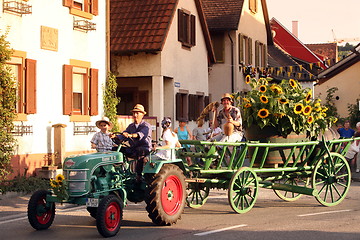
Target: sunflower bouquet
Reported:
[(287, 107), (59, 187)]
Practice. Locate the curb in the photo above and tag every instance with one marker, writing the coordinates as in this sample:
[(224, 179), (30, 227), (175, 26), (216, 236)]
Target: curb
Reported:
[(10, 195)]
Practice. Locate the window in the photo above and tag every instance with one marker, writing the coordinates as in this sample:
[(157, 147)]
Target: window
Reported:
[(24, 72), (218, 41), (253, 6), (245, 50), (186, 28), (87, 6), (181, 105), (196, 106), (260, 54), (80, 91)]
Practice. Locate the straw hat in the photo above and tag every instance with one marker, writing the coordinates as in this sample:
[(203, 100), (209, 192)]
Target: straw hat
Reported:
[(105, 120), (228, 96), (139, 108)]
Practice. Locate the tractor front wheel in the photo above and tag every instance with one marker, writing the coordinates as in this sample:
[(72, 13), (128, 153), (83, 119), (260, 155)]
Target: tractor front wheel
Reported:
[(166, 195), (40, 212), (109, 216)]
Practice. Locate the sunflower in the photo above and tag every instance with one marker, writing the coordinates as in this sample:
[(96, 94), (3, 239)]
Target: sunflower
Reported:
[(276, 89), (264, 99), (317, 104), (53, 183), (246, 100), (247, 79), (293, 83), (298, 108), (247, 105), (324, 109), (263, 113), (283, 100), (308, 97), (307, 110), (279, 115), (317, 109), (59, 178), (310, 119), (262, 88), (335, 120)]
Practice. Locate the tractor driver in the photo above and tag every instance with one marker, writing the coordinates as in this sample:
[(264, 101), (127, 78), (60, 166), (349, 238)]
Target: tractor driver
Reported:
[(138, 135)]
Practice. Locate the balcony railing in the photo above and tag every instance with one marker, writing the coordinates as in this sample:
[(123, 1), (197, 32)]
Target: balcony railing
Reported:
[(84, 25), (17, 7)]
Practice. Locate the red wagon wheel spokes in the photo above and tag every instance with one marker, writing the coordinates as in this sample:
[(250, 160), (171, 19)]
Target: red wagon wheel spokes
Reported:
[(243, 190), (331, 179), (171, 195)]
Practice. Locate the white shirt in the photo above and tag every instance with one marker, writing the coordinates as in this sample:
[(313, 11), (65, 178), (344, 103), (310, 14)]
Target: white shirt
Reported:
[(352, 150), (172, 139)]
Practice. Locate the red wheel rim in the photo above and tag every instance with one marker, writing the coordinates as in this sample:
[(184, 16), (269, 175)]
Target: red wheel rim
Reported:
[(43, 215), (112, 216), (171, 195)]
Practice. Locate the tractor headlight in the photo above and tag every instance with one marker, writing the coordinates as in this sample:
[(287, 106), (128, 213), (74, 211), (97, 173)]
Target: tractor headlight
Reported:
[(77, 175)]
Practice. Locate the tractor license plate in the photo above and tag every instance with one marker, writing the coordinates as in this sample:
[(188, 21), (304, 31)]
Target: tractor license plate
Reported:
[(92, 202)]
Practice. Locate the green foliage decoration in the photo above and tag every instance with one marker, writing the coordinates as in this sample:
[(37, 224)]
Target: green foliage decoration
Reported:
[(110, 100), (7, 109), (286, 106), (354, 113)]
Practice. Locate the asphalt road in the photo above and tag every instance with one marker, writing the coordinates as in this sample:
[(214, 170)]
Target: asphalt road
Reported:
[(271, 218)]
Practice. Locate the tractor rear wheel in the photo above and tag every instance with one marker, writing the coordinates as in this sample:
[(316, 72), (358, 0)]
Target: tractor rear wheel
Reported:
[(40, 213), (166, 195), (109, 216)]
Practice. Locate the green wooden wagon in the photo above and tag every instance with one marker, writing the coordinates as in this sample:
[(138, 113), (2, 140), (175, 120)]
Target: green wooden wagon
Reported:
[(316, 168)]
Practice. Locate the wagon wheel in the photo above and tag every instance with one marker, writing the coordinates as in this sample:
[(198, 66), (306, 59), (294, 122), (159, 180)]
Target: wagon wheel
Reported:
[(243, 190), (40, 212), (197, 195), (166, 196), (331, 179), (296, 181)]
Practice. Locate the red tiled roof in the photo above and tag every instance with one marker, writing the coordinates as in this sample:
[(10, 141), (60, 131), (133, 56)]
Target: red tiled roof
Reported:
[(139, 25), (222, 14)]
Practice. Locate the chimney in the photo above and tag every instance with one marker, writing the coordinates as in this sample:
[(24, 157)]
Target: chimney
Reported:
[(295, 28)]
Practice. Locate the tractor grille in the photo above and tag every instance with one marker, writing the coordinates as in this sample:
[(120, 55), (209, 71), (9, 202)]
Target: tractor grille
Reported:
[(77, 180)]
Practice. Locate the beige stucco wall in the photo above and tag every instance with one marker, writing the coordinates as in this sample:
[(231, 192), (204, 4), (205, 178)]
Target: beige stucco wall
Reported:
[(186, 66), (251, 25), (348, 84)]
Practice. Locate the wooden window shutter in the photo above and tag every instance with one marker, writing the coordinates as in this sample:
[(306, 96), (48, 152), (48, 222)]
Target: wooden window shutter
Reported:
[(94, 96), (264, 59), (180, 26), (68, 3), (192, 31), (250, 51), (67, 89), (94, 8), (30, 86), (178, 106), (192, 103), (241, 48), (87, 5), (257, 54)]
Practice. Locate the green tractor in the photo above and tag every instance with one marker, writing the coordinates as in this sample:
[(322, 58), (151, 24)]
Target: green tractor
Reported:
[(104, 182)]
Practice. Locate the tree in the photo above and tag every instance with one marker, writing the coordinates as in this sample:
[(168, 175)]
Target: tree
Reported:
[(7, 109), (110, 100)]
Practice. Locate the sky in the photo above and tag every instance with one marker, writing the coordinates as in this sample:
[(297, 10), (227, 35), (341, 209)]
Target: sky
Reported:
[(318, 19)]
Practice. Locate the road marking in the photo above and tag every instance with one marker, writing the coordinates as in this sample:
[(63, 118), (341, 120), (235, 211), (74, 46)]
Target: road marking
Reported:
[(219, 230), (320, 213), (13, 220)]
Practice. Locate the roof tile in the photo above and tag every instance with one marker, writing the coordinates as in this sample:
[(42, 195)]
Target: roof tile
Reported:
[(139, 21)]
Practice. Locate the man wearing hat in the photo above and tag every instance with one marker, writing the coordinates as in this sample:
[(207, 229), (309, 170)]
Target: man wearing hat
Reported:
[(138, 135), (229, 118), (102, 141)]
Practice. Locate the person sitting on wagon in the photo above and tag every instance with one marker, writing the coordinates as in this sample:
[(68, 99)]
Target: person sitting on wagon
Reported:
[(169, 140), (346, 131), (101, 141), (230, 119), (138, 135)]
